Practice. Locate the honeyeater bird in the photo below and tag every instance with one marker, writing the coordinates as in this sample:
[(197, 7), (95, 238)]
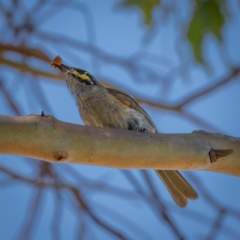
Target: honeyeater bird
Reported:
[(106, 107)]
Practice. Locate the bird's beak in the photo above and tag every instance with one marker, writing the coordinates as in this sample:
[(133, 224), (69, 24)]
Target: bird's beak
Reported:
[(65, 69)]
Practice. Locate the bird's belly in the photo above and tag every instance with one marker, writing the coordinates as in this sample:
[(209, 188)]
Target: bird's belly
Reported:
[(103, 113), (107, 111)]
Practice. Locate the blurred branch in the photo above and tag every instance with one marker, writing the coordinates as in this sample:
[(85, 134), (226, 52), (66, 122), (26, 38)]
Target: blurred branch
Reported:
[(24, 68), (31, 217), (83, 206), (23, 28), (46, 138), (216, 226), (25, 51), (162, 209), (57, 216), (209, 89), (188, 99), (9, 99), (98, 221)]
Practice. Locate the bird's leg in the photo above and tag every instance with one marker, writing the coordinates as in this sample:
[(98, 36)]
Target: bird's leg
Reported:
[(141, 129)]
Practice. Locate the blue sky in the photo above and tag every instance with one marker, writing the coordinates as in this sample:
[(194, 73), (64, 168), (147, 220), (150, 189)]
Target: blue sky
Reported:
[(120, 32)]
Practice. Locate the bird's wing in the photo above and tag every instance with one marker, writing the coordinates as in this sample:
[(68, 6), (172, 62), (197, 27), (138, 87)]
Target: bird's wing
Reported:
[(129, 101)]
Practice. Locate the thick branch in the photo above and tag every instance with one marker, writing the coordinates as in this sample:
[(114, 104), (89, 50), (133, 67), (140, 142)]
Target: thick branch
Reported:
[(46, 138)]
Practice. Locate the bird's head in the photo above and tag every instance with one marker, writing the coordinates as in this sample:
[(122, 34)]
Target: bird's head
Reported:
[(79, 75)]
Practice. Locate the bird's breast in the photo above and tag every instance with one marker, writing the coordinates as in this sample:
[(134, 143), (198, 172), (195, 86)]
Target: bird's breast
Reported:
[(99, 108)]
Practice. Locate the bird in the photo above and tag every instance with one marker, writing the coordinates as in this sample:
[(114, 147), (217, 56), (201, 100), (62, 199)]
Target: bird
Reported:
[(100, 106)]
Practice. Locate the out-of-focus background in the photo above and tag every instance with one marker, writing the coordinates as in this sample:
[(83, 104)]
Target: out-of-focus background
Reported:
[(179, 59)]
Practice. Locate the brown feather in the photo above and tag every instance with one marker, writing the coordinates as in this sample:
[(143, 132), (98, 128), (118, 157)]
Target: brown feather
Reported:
[(131, 102)]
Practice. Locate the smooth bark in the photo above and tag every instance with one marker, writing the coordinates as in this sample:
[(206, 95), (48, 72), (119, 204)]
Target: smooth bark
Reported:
[(48, 139)]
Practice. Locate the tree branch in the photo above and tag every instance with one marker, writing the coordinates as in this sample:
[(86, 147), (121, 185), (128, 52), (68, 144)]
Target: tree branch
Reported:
[(49, 139), (206, 90)]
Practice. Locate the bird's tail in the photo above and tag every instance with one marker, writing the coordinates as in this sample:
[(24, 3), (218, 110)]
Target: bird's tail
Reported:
[(178, 187)]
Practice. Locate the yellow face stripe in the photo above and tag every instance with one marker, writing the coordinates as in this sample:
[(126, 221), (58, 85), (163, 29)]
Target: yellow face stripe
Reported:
[(83, 76)]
